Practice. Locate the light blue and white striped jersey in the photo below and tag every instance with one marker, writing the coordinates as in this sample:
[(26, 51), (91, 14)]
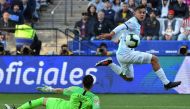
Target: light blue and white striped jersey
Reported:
[(121, 31)]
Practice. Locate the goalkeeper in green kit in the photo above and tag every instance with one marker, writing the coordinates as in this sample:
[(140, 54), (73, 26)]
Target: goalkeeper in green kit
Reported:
[(80, 98)]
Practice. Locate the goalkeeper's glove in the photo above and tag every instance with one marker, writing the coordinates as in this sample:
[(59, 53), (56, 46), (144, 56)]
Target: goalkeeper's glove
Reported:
[(45, 88)]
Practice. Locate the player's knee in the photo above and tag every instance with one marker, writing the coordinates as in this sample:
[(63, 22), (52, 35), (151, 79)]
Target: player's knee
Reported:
[(154, 59), (129, 79)]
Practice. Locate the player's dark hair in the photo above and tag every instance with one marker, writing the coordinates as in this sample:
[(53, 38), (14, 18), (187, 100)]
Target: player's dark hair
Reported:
[(139, 7), (88, 81)]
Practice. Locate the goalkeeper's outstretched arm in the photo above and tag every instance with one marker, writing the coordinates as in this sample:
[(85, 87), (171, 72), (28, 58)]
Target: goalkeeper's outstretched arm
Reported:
[(50, 89), (58, 90)]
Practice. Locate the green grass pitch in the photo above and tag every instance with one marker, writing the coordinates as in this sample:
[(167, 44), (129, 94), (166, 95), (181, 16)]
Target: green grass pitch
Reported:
[(114, 101)]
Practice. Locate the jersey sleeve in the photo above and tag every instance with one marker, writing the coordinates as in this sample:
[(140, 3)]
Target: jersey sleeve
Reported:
[(129, 26), (96, 103), (69, 91), (119, 28)]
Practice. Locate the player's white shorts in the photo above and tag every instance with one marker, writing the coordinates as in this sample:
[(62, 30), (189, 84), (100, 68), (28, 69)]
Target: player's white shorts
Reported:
[(127, 60)]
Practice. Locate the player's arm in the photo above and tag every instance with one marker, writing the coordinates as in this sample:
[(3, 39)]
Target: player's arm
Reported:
[(115, 31), (107, 35), (66, 91), (58, 90), (49, 89)]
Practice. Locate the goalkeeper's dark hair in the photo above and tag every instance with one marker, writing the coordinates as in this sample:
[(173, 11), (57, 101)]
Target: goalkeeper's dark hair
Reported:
[(88, 81)]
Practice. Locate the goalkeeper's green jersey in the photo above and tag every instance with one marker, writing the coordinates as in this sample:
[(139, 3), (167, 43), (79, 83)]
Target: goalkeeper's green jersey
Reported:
[(78, 99)]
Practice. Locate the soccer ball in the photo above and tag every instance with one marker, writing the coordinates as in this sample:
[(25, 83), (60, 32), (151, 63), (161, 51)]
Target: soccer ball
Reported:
[(132, 40)]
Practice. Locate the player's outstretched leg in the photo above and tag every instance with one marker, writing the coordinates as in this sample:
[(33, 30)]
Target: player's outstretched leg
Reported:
[(108, 62), (117, 69), (172, 85), (104, 62), (32, 104), (160, 73)]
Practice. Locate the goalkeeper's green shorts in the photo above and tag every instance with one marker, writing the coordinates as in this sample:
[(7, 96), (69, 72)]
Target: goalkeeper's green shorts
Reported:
[(57, 103)]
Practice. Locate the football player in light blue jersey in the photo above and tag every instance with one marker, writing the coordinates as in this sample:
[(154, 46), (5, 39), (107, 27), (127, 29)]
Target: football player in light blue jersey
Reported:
[(127, 56)]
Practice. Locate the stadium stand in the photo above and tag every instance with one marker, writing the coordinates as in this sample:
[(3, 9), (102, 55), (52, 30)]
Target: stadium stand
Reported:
[(58, 18)]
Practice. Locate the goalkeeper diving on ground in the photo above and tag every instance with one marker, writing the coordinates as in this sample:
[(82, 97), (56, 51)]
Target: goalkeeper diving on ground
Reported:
[(80, 98)]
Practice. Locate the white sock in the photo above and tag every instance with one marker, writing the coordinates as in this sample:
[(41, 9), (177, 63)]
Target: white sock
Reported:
[(115, 68), (161, 75)]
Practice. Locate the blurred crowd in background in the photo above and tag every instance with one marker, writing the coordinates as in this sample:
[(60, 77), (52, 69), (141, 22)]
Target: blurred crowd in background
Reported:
[(19, 10), (17, 15), (165, 19)]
